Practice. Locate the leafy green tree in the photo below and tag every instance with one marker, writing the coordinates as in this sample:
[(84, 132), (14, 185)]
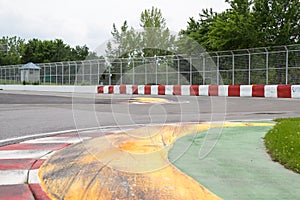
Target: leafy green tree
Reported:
[(233, 29), (247, 24), (124, 42), (197, 30), (154, 39), (39, 51), (278, 21), (12, 49), (79, 53)]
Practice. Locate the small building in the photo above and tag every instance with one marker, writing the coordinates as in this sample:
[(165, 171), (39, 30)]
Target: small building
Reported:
[(30, 73)]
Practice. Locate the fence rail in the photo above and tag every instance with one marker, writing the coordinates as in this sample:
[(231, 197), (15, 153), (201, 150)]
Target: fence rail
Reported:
[(273, 65)]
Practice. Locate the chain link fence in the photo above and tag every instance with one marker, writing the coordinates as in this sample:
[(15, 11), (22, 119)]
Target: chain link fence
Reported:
[(273, 65)]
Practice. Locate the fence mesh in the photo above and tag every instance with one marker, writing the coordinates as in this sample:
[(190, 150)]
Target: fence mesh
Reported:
[(273, 65)]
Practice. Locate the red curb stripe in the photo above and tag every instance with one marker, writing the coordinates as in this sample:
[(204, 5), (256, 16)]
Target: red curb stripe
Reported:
[(135, 89), (38, 164), (16, 164), (15, 192), (213, 90), (34, 146), (37, 191), (194, 90), (284, 91), (258, 91), (161, 90), (110, 89), (233, 90), (122, 89), (100, 89), (177, 90), (147, 89)]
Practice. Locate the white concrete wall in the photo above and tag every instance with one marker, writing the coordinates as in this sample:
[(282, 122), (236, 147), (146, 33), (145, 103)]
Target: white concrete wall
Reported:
[(51, 88)]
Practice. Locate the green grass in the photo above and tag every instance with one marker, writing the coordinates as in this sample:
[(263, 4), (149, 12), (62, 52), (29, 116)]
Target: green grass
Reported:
[(9, 82), (283, 143)]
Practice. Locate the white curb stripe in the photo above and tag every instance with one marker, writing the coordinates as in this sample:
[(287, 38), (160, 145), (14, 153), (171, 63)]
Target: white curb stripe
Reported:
[(271, 91), (33, 176), (17, 154), (12, 177)]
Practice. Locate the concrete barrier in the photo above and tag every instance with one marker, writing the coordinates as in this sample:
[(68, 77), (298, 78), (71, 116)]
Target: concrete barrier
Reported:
[(52, 88), (268, 91)]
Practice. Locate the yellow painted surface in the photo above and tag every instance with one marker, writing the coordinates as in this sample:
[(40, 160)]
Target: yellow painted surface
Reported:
[(149, 100), (126, 165)]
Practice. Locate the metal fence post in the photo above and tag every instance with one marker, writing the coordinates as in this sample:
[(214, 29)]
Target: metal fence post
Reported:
[(45, 68), (167, 71), (218, 67), (249, 67), (133, 74), (178, 71), (191, 71), (69, 63), (267, 66), (286, 65), (98, 72), (203, 71), (50, 78), (62, 73), (109, 74), (232, 68), (121, 72), (82, 67), (75, 74), (56, 75), (90, 72), (15, 76), (156, 62)]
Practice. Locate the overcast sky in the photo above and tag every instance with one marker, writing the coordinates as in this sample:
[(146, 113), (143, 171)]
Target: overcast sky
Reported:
[(90, 21)]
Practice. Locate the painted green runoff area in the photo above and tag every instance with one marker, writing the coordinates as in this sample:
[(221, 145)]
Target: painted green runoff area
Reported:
[(283, 143), (238, 166)]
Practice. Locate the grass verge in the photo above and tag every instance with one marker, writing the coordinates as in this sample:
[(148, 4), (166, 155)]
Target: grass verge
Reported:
[(283, 143)]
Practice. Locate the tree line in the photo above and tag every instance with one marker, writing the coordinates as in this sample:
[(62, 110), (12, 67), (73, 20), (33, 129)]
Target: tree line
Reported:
[(245, 24), (15, 50)]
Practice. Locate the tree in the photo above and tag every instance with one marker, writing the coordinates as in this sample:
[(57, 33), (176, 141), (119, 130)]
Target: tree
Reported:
[(12, 49), (234, 28), (156, 37), (247, 24), (124, 42), (197, 30), (153, 40), (39, 51), (278, 21)]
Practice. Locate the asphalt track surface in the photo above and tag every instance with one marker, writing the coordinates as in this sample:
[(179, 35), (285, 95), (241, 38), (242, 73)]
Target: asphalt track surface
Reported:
[(27, 113)]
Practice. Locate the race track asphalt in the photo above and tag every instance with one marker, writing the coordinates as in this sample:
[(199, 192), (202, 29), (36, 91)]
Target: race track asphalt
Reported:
[(27, 113)]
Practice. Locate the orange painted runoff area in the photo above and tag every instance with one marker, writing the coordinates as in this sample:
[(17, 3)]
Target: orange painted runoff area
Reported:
[(126, 165)]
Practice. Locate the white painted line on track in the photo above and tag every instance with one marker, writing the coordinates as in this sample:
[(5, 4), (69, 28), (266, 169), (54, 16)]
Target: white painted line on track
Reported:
[(47, 140)]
